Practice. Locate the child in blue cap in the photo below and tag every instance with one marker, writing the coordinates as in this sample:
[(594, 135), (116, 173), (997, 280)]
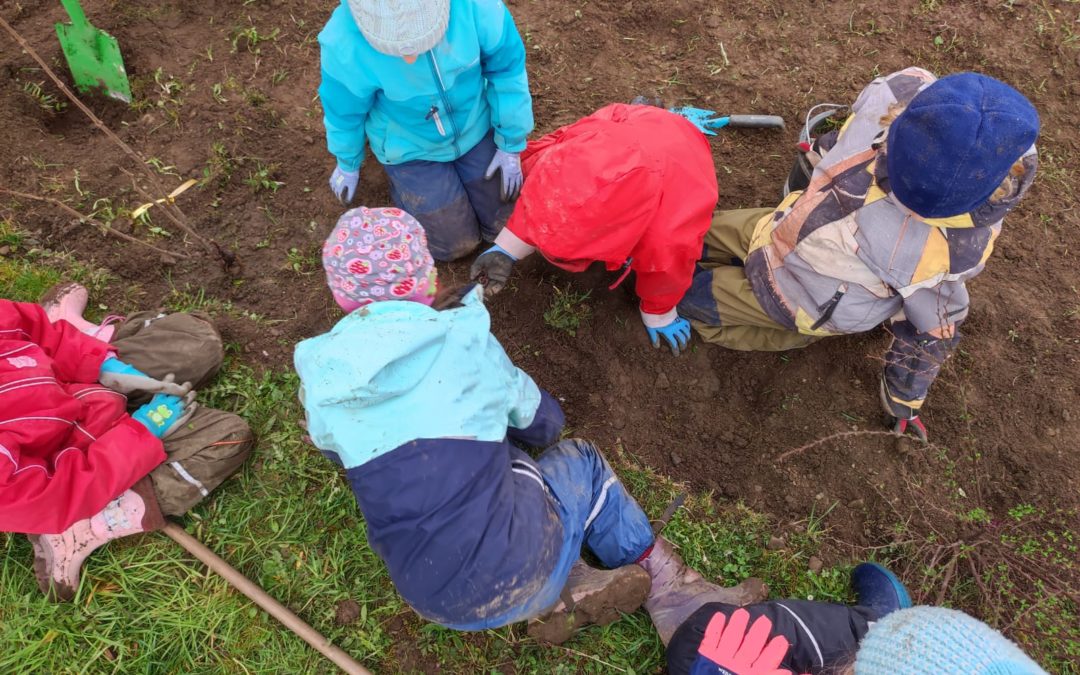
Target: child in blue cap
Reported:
[(439, 91)]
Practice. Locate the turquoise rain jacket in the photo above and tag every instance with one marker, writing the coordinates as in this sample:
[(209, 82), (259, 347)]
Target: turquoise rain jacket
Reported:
[(435, 109), (394, 372)]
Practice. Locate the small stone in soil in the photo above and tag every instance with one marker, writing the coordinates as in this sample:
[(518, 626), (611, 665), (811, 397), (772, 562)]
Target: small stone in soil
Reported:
[(775, 543), (675, 459), (815, 564), (662, 381)]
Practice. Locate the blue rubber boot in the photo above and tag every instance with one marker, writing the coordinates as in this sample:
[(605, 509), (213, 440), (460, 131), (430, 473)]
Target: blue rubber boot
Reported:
[(879, 589)]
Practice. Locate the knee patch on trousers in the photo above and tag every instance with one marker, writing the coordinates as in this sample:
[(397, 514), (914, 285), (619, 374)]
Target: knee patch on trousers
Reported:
[(211, 447)]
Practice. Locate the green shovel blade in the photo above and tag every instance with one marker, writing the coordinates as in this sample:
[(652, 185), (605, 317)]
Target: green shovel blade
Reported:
[(94, 59)]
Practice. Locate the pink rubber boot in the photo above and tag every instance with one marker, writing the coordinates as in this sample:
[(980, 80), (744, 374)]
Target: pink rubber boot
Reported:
[(678, 591), (58, 558), (67, 302)]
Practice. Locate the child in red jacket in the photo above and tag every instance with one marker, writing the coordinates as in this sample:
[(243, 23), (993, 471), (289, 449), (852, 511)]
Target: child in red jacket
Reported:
[(632, 186), (76, 469)]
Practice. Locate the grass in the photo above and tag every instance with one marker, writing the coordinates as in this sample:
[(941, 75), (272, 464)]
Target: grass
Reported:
[(568, 310), (289, 522), (27, 271)]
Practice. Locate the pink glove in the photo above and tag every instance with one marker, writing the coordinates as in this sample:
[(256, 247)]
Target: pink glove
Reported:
[(738, 651)]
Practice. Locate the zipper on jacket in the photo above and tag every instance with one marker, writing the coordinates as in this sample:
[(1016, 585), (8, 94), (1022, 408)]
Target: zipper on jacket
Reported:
[(433, 114), (446, 102), (829, 307)]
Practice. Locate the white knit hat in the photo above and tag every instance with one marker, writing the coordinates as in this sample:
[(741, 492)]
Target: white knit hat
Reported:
[(401, 27)]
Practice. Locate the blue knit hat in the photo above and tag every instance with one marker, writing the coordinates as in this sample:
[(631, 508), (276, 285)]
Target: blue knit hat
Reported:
[(401, 27), (939, 641), (956, 141)]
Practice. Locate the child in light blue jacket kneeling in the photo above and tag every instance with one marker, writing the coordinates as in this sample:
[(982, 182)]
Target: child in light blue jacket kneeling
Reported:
[(438, 89), (426, 413)]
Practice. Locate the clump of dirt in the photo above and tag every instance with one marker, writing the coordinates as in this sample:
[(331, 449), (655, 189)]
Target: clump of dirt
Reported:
[(346, 612), (227, 94)]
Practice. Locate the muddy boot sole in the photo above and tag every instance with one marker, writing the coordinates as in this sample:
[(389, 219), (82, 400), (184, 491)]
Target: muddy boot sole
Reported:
[(42, 565), (624, 594)]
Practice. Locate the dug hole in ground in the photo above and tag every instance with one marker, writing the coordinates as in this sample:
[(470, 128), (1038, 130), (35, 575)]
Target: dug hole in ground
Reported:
[(986, 519)]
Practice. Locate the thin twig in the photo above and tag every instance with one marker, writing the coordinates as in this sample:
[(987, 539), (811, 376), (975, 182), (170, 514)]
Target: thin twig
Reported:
[(93, 221), (950, 568), (842, 434), (178, 217)]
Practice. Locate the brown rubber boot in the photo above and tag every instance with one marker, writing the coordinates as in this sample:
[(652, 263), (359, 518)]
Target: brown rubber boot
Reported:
[(58, 558), (597, 597), (678, 591)]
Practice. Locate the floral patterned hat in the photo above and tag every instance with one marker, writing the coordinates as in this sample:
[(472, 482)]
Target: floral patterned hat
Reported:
[(378, 254)]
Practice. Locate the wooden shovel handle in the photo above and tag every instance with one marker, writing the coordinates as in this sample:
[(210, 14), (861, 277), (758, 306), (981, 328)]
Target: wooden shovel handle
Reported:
[(263, 600)]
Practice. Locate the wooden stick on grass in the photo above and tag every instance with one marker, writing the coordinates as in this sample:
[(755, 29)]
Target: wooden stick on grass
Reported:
[(261, 598)]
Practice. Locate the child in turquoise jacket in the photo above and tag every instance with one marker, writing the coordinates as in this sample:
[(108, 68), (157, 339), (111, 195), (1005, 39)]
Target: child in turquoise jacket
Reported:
[(438, 89), (425, 412)]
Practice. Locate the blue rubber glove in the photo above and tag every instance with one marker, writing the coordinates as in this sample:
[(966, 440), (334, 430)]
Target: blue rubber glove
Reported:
[(676, 334), (704, 120), (343, 184), (127, 379), (492, 269), (509, 164), (165, 413)]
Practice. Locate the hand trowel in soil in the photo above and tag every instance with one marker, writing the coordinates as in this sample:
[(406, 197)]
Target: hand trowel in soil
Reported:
[(92, 55)]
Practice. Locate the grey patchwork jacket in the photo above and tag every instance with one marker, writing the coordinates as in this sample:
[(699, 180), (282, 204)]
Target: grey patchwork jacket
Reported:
[(844, 256)]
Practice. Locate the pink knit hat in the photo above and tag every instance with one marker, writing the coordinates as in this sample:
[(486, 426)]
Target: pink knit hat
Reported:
[(378, 254)]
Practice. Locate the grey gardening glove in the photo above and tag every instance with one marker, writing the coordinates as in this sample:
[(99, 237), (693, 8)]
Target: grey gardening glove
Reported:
[(343, 184), (126, 379), (509, 165), (492, 269)]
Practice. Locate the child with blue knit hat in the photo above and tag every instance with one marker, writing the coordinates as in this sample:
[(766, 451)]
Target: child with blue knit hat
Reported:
[(883, 221), (438, 89)]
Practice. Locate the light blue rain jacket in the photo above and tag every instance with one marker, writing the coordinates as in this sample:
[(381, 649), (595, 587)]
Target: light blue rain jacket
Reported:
[(437, 108), (394, 372)]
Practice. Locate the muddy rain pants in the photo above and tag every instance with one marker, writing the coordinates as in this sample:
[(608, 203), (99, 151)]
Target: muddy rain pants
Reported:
[(478, 535), (720, 303), (456, 205), (213, 444)]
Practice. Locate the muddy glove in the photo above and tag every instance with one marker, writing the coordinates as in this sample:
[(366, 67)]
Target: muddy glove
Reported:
[(126, 379), (165, 414), (492, 269), (676, 334), (343, 184), (729, 648), (509, 165)]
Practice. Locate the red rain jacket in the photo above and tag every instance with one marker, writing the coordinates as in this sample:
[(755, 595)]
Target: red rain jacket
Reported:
[(67, 444), (627, 182)]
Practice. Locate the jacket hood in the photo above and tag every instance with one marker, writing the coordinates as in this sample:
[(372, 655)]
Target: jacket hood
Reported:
[(394, 372), (411, 336), (580, 205)]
